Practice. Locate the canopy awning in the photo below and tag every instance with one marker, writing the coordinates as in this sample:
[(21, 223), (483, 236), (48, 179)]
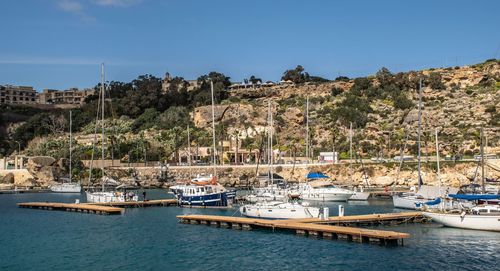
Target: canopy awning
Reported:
[(316, 175), (474, 196)]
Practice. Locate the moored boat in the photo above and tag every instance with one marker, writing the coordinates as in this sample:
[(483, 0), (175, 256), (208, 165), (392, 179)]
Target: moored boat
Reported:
[(322, 190), (483, 217), (283, 210)]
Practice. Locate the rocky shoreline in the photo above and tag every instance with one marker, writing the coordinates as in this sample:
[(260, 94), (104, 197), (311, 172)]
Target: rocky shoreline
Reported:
[(43, 171)]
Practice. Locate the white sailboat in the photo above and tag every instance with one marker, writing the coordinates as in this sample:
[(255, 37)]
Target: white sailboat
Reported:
[(106, 196), (67, 186), (424, 193), (279, 209), (358, 194), (481, 217), (283, 210)]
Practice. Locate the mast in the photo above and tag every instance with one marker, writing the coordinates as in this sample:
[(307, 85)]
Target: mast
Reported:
[(70, 145), (307, 128), (189, 152), (482, 161), (437, 161), (102, 123), (271, 142), (350, 152), (419, 132), (213, 128)]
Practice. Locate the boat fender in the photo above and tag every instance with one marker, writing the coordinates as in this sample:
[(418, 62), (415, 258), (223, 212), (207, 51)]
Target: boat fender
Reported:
[(462, 215), (244, 209)]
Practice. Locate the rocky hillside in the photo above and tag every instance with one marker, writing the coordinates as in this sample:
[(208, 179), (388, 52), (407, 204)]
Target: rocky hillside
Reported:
[(467, 99)]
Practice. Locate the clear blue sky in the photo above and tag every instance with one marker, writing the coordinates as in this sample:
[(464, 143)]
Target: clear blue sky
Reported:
[(60, 43)]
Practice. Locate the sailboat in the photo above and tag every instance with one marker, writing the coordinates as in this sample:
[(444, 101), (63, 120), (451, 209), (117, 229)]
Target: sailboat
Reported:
[(361, 194), (280, 209), (68, 186), (425, 193), (452, 213), (205, 191), (104, 196)]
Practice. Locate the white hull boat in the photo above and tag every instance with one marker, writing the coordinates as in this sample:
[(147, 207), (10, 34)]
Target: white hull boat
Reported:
[(407, 201), (324, 193), (66, 188), (486, 221), (107, 197), (360, 196), (281, 210)]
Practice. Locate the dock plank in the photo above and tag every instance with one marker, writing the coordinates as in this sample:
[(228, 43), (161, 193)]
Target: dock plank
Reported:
[(300, 226), (361, 218), (72, 206)]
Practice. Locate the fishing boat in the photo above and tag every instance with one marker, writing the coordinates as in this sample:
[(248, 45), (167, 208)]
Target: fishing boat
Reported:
[(320, 189), (68, 186), (480, 217), (205, 191), (283, 210), (104, 196)]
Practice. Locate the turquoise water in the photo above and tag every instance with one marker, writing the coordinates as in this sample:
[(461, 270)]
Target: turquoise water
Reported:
[(152, 239)]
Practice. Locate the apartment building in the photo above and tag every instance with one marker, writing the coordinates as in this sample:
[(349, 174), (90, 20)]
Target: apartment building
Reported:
[(69, 96), (17, 95)]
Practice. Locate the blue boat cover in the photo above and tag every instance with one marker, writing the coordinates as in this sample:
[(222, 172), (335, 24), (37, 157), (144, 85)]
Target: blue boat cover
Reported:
[(474, 196), (316, 175), (433, 202)]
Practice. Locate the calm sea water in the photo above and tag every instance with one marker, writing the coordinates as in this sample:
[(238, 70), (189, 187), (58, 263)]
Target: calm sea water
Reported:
[(152, 239)]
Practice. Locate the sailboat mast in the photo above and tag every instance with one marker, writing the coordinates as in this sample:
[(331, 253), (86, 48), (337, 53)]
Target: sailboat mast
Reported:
[(482, 161), (70, 145), (419, 132), (350, 152), (307, 128), (189, 152), (213, 128), (437, 161), (102, 123), (271, 142)]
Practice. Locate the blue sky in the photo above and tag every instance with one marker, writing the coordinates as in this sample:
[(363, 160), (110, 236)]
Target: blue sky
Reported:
[(60, 43)]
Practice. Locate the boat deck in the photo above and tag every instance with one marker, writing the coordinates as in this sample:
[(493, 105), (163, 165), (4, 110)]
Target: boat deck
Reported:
[(73, 207), (310, 228)]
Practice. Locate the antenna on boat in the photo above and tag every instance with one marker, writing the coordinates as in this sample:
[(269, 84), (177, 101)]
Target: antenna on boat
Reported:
[(213, 127)]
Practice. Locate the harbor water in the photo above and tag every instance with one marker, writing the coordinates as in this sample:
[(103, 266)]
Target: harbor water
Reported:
[(153, 239)]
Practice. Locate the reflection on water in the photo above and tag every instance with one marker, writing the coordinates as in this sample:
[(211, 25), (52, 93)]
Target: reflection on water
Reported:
[(152, 238)]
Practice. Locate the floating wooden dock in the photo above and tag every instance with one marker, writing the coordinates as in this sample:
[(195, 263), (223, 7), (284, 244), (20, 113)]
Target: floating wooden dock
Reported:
[(369, 219), (138, 204), (360, 235), (73, 207)]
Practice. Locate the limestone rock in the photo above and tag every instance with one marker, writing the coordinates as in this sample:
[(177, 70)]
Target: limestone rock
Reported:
[(8, 179), (42, 168), (383, 180)]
